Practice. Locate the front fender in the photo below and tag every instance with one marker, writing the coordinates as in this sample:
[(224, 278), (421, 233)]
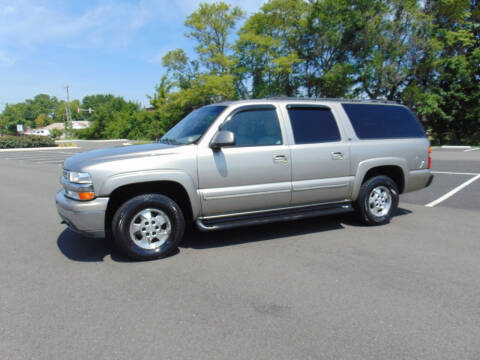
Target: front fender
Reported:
[(366, 165), (115, 181)]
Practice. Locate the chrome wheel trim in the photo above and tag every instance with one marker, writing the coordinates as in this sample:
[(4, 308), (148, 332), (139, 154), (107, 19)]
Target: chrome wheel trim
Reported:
[(379, 201), (150, 228)]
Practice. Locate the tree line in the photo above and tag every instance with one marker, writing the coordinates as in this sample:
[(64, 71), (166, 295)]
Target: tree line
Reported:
[(424, 54)]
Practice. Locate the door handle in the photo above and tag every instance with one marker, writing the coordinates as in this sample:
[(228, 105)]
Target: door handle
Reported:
[(280, 158), (337, 155)]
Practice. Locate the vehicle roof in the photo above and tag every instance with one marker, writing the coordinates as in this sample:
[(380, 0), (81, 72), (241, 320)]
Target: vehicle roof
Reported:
[(281, 100)]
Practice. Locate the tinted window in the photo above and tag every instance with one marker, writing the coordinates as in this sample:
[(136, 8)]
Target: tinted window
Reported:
[(313, 125), (383, 121), (255, 127)]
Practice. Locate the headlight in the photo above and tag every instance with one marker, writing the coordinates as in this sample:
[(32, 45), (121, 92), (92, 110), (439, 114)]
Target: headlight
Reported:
[(78, 185), (77, 177)]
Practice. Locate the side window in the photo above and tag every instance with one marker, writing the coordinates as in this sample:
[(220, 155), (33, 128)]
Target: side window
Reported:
[(313, 124), (383, 121), (255, 127)]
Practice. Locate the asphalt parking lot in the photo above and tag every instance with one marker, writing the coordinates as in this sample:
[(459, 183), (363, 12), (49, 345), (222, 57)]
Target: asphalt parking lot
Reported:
[(325, 288)]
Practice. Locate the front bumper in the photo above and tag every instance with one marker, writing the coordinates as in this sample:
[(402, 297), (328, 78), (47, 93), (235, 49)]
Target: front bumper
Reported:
[(84, 217)]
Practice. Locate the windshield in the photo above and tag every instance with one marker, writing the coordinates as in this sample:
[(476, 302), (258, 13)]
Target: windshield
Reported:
[(193, 126)]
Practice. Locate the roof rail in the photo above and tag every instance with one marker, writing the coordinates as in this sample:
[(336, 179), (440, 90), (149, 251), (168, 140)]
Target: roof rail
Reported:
[(330, 99)]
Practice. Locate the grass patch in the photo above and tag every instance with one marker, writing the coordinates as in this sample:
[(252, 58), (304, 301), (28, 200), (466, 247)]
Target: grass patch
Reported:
[(140, 142), (66, 144)]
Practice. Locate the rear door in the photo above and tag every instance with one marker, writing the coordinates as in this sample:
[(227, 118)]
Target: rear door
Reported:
[(320, 155)]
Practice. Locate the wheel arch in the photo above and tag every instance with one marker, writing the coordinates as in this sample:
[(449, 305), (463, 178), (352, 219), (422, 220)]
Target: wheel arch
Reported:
[(394, 168), (174, 190)]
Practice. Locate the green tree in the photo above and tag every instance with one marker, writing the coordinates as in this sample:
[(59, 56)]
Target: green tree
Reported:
[(94, 101), (41, 120), (111, 117), (189, 84), (325, 47), (267, 47), (446, 92), (211, 26), (425, 54), (13, 115), (390, 48), (41, 104), (26, 112), (182, 70)]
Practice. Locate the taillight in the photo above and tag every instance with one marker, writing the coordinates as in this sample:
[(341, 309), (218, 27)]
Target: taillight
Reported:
[(429, 157)]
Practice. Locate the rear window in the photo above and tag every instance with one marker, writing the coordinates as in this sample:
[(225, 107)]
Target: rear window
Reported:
[(312, 124), (383, 121)]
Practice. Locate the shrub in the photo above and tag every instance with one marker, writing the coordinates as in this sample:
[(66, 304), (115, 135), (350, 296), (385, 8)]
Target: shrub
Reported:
[(26, 141), (84, 134), (56, 133)]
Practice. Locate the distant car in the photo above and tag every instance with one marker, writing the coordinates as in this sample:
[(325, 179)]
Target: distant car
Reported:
[(41, 132), (248, 163)]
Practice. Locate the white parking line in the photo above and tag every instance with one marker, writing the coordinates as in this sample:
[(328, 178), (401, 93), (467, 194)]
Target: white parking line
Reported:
[(456, 147), (453, 192), (454, 173), (474, 149), (36, 158), (51, 162), (61, 152)]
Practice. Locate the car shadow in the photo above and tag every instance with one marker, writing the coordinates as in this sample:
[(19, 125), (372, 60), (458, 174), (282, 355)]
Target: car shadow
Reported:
[(352, 219), (204, 240), (79, 248)]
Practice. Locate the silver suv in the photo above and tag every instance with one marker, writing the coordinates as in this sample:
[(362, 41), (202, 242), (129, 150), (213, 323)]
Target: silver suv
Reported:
[(247, 163)]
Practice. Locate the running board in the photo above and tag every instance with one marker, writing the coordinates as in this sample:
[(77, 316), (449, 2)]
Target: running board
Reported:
[(272, 216)]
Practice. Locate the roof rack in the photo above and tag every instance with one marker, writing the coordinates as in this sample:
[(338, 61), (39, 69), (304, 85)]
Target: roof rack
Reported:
[(330, 99)]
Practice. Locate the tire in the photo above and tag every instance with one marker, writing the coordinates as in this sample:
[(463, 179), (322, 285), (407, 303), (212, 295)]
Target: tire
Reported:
[(148, 227), (378, 200)]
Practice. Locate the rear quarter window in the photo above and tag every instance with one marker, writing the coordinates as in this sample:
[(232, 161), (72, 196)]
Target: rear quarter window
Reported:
[(383, 121)]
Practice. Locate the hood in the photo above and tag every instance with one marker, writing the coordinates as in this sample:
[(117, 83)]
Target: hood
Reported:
[(83, 160)]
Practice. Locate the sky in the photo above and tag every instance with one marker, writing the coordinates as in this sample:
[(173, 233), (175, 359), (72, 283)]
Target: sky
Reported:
[(95, 46)]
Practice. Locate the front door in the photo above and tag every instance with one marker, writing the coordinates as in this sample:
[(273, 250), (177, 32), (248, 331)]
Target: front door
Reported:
[(252, 175)]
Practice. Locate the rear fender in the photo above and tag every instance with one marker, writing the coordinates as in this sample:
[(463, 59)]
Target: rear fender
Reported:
[(366, 165)]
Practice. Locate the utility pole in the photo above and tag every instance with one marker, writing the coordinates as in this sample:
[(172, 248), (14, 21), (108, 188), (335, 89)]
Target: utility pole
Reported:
[(67, 111)]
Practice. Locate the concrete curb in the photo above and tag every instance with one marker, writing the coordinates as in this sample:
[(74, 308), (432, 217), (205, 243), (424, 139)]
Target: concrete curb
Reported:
[(40, 148), (79, 140)]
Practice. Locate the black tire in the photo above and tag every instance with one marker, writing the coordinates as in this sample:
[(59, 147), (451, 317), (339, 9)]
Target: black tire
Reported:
[(125, 214), (367, 212)]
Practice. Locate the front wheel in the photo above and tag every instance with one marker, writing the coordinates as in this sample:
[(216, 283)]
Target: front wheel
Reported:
[(148, 227), (378, 200)]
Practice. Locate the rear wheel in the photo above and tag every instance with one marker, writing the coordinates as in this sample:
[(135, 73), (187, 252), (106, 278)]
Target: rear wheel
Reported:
[(148, 226), (378, 200)]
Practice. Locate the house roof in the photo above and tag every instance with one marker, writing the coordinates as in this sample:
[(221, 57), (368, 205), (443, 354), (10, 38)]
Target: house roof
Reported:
[(60, 126)]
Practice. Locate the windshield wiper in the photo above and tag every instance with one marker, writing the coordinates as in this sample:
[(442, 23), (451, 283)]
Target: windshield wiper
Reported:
[(170, 141)]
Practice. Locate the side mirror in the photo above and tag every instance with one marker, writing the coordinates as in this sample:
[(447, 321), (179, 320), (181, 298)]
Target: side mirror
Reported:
[(223, 138)]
